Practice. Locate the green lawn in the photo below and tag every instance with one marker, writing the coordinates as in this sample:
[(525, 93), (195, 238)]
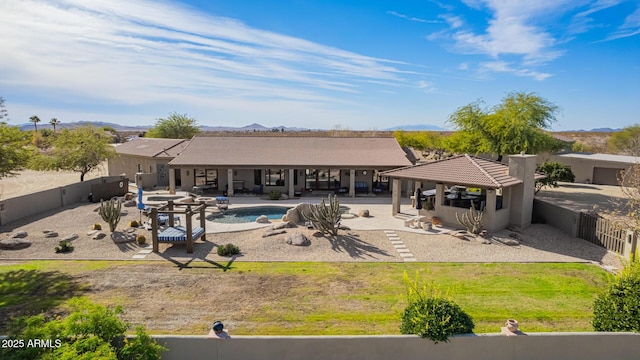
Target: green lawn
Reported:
[(348, 298)]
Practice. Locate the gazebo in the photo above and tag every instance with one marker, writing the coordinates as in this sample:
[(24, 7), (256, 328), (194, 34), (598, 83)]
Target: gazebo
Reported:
[(504, 192)]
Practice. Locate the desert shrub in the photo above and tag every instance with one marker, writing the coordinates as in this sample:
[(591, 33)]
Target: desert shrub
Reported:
[(275, 194), (63, 247), (555, 172), (90, 331), (97, 226), (141, 239), (618, 308), (134, 223), (228, 250), (431, 314)]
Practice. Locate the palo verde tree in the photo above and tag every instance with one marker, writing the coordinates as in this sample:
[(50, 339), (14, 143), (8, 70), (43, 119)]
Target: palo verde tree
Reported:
[(15, 149), (555, 172), (81, 150), (515, 125), (176, 126), (625, 141)]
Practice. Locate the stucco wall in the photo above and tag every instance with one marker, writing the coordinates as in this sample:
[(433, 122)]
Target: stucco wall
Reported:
[(583, 168), (560, 218), (566, 346)]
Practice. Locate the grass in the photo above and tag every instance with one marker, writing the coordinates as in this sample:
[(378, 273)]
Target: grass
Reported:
[(344, 298)]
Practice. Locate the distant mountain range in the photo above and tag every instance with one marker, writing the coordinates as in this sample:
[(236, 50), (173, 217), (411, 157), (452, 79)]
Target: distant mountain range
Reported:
[(249, 128)]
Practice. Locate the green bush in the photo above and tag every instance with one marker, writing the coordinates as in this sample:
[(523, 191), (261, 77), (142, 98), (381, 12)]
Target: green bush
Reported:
[(275, 194), (228, 250), (90, 331), (555, 172), (618, 309), (432, 315), (63, 247)]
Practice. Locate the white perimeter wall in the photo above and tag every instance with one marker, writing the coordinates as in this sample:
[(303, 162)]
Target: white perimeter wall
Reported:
[(565, 346)]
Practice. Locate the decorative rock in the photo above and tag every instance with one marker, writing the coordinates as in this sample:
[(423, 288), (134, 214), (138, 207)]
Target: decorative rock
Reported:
[(262, 219), (509, 242), (483, 233), (70, 237), (19, 235), (129, 203), (14, 244), (363, 213), (92, 232), (343, 227), (282, 225), (460, 234), (98, 236), (284, 197), (51, 234), (298, 239), (513, 235), (318, 233), (271, 232)]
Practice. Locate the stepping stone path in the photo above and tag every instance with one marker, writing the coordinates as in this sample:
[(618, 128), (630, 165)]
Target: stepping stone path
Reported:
[(142, 254), (400, 247)]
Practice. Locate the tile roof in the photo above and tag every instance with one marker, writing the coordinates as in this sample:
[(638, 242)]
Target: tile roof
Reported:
[(463, 169), (150, 147), (264, 151)]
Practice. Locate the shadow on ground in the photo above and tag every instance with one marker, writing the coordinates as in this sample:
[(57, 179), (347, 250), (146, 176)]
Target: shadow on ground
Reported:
[(355, 247), (31, 292), (177, 254)]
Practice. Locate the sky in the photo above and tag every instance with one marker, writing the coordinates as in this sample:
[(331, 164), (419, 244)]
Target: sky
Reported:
[(360, 65)]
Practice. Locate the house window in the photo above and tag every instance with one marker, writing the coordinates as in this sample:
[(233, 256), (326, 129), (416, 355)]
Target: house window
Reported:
[(274, 177), (206, 177)]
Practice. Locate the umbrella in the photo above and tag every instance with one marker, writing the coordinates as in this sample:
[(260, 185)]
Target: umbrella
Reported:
[(140, 204), (418, 199)]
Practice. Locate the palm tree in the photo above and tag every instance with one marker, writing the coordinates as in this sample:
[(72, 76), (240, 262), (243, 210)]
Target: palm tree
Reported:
[(35, 120), (54, 122)]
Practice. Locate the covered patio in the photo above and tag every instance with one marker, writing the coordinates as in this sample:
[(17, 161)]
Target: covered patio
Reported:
[(504, 192)]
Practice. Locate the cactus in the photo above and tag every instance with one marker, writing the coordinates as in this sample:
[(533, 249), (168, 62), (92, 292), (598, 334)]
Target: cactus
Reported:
[(134, 223), (472, 220), (141, 239), (97, 226), (325, 218), (110, 212)]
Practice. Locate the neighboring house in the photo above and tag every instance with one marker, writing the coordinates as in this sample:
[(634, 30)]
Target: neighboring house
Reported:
[(505, 192), (291, 165), (144, 160), (602, 169)]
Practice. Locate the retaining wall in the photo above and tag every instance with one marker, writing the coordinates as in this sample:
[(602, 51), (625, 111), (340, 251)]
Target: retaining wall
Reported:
[(566, 346), (560, 218)]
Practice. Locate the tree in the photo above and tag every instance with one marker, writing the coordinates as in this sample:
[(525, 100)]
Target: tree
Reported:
[(35, 120), (515, 125), (54, 122), (626, 141), (555, 172), (15, 149), (80, 150), (176, 126), (618, 309), (3, 112)]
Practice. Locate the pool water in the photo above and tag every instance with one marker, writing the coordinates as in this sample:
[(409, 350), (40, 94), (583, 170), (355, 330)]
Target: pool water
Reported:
[(249, 214)]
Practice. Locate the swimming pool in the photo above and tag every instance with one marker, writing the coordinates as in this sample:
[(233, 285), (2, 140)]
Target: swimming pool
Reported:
[(249, 214), (164, 197)]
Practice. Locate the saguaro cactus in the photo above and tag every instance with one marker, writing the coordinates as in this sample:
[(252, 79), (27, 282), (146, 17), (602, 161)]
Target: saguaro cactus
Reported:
[(472, 221), (325, 217), (110, 212)]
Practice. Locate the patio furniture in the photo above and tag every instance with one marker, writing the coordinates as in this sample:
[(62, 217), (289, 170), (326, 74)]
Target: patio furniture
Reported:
[(361, 187)]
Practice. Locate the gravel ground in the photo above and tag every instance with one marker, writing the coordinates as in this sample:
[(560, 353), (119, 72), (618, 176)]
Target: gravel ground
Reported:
[(539, 243)]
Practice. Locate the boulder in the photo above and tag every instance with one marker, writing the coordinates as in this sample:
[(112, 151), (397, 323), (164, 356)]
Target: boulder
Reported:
[(70, 237), (98, 236), (363, 213), (271, 232), (19, 235), (91, 232), (298, 239), (51, 234), (344, 227), (283, 224), (262, 219), (14, 244), (284, 197), (509, 242), (129, 203), (292, 215)]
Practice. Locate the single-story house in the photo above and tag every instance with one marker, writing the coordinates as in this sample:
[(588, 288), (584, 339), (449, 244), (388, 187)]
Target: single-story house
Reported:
[(504, 192), (291, 165), (145, 160), (602, 169)]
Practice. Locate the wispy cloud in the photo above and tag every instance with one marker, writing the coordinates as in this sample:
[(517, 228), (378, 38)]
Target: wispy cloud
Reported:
[(630, 27), (411, 18), (149, 52), (505, 67)]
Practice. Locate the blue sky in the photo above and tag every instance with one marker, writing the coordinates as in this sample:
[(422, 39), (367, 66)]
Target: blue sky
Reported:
[(360, 65)]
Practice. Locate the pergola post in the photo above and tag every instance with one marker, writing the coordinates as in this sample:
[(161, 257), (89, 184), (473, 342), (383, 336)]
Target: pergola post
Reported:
[(172, 181), (229, 182), (352, 183), (396, 195), (292, 173)]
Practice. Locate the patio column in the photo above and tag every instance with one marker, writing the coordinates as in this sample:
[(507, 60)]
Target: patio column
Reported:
[(292, 173), (172, 181), (230, 182), (352, 183), (490, 209), (396, 195), (439, 197)]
